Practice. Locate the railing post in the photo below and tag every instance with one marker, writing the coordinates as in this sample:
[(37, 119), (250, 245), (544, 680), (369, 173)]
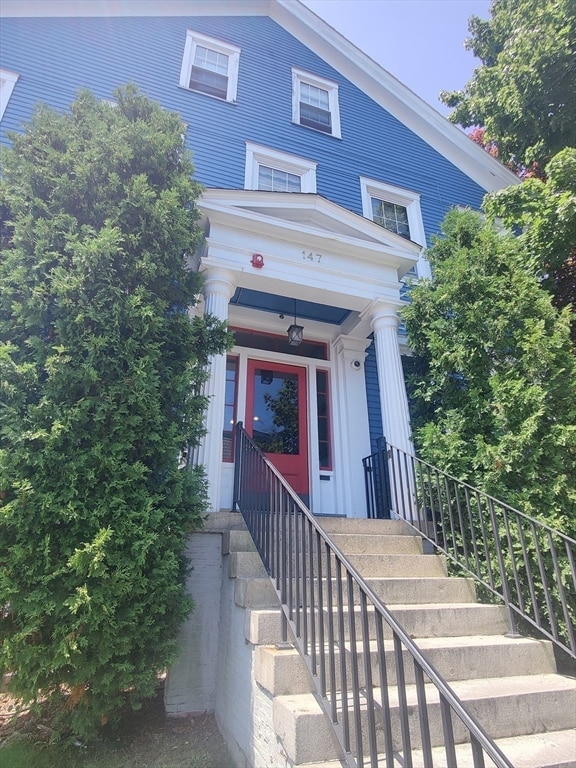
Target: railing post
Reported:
[(237, 466), (384, 476)]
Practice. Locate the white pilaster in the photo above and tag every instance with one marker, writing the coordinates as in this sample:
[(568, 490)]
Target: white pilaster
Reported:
[(393, 399), (218, 289), (352, 441)]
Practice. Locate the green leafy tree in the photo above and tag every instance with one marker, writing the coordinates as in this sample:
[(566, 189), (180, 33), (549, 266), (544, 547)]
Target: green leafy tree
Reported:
[(495, 378), (100, 365), (544, 211), (524, 92)]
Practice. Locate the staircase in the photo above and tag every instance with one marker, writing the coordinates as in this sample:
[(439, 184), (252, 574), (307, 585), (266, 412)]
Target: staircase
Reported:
[(509, 684)]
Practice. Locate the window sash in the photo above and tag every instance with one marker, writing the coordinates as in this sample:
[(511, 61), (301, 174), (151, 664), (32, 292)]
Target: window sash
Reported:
[(206, 81), (391, 216), (314, 117), (274, 180), (206, 58)]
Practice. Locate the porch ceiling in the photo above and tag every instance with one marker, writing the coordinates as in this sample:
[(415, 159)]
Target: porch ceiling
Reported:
[(304, 310)]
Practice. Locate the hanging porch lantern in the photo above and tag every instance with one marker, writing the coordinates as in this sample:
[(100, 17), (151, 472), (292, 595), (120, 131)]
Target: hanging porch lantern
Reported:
[(295, 331)]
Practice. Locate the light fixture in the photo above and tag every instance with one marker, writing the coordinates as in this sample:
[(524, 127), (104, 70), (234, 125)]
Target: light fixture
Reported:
[(295, 332)]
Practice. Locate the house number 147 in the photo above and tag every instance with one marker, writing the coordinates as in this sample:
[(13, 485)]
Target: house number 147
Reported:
[(309, 256)]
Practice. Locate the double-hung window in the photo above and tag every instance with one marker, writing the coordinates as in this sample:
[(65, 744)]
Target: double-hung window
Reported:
[(210, 66), (315, 103), (271, 170)]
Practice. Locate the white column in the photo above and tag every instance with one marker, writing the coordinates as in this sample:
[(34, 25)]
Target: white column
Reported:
[(218, 289), (393, 399), (393, 403)]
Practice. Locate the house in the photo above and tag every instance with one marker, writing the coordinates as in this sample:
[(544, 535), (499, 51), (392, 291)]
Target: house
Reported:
[(324, 179)]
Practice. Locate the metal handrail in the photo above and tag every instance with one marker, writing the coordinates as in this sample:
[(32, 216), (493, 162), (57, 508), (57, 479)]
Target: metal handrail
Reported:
[(519, 560), (361, 660)]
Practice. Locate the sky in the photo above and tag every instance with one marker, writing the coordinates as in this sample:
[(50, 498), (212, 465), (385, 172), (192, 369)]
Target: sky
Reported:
[(420, 42)]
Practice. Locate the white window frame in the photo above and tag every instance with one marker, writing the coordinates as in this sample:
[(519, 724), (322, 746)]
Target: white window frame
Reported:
[(7, 82), (299, 76), (257, 155), (390, 194), (405, 197), (194, 39)]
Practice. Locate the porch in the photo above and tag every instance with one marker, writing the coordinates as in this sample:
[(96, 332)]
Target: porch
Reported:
[(271, 261)]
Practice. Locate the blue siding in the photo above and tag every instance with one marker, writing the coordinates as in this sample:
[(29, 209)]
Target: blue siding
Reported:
[(55, 57), (373, 397)]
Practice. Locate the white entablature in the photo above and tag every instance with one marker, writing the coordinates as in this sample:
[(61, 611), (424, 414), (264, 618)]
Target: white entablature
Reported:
[(309, 247)]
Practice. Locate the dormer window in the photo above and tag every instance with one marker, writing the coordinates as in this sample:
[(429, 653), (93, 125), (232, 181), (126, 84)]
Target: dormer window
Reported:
[(315, 103), (210, 66)]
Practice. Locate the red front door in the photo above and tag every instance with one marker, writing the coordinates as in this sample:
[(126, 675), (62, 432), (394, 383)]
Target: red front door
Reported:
[(276, 418)]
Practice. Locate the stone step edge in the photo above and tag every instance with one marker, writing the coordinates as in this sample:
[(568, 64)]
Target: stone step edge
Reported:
[(554, 749)]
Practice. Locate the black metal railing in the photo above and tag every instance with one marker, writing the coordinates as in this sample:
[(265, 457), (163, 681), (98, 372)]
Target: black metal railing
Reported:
[(377, 484), (387, 704), (516, 559)]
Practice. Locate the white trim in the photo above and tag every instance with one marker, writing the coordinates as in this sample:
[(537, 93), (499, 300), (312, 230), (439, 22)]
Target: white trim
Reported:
[(7, 82), (410, 200), (193, 39), (390, 194), (257, 155), (299, 76)]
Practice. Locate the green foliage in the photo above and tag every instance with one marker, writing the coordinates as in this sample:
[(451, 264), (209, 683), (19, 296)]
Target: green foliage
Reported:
[(495, 381), (524, 93), (546, 213), (100, 366)]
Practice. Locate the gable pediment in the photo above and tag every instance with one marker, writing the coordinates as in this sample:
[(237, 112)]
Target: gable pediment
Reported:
[(309, 214)]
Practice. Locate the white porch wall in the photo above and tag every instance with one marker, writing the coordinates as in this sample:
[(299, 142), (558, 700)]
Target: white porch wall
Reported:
[(351, 441)]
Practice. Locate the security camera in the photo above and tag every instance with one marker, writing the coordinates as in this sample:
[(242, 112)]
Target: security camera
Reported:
[(356, 364)]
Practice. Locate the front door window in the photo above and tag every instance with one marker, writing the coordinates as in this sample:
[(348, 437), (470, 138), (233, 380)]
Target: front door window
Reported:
[(275, 419)]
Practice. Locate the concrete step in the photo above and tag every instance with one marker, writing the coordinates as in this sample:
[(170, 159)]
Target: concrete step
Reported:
[(542, 750), (409, 590), (507, 707), (419, 621), (404, 590), (244, 565), (237, 541), (556, 749), (377, 543), (399, 566), (255, 593), (282, 671), (362, 526)]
